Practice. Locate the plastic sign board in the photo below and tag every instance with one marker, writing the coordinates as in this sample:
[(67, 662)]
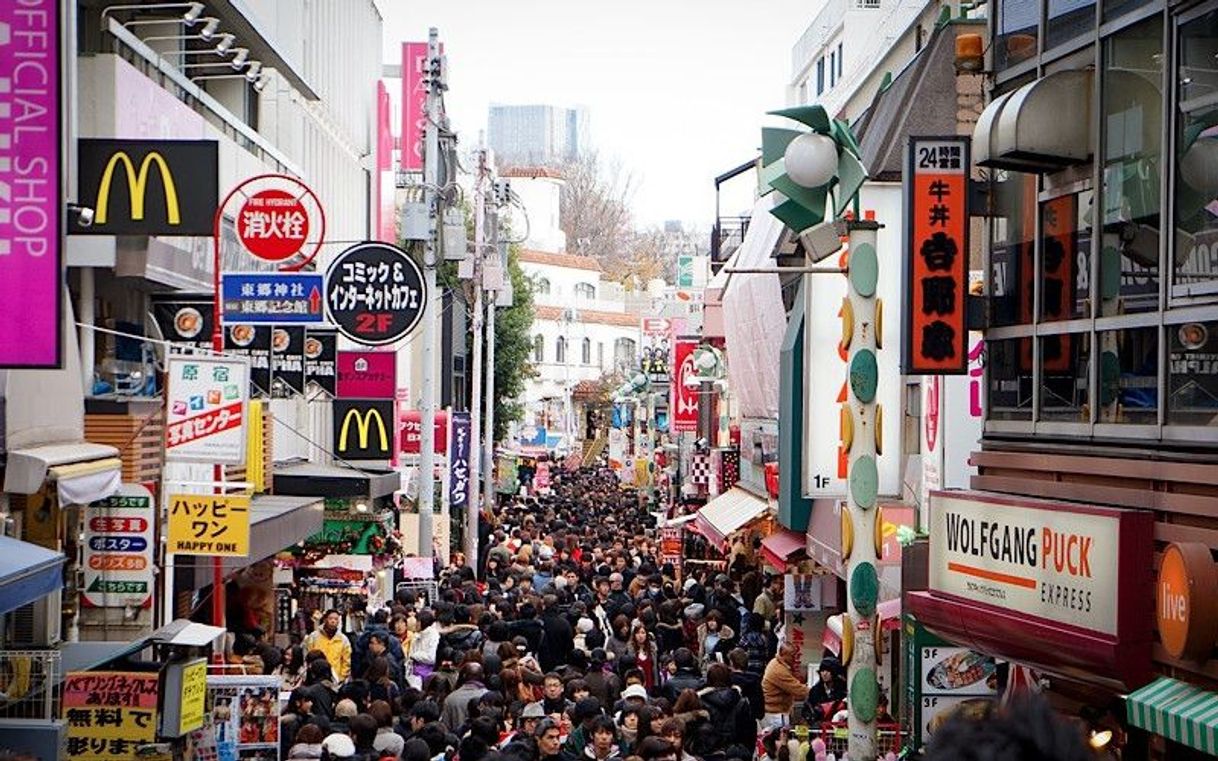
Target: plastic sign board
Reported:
[(363, 429), (935, 338), (272, 298), (209, 524), (149, 187), (684, 399), (367, 374), (320, 349), (205, 417), (31, 206), (410, 430), (375, 294), (118, 549), (458, 463), (109, 714), (273, 224)]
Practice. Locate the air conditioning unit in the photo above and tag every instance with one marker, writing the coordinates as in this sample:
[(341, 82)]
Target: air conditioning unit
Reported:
[(36, 624)]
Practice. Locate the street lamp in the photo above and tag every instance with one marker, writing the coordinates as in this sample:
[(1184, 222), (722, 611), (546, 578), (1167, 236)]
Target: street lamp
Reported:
[(813, 166)]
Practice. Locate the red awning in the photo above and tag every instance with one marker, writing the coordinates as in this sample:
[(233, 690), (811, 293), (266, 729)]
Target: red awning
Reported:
[(778, 548)]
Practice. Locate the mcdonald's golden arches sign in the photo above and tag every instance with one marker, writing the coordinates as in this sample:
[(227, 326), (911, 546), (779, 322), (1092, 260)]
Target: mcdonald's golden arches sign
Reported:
[(149, 187), (363, 429)]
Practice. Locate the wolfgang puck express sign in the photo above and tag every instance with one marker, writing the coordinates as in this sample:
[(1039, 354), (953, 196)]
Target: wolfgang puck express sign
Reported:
[(1057, 562)]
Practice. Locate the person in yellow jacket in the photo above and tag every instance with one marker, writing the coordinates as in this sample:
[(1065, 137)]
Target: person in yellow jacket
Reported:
[(781, 686), (329, 640)]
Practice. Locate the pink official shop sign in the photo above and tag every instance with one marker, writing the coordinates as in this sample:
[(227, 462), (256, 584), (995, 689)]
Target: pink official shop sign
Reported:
[(30, 165)]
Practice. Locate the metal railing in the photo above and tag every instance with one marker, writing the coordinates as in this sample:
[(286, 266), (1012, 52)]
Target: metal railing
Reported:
[(28, 685), (726, 237)]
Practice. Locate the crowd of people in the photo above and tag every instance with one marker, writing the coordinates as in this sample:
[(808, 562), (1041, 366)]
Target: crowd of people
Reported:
[(574, 644)]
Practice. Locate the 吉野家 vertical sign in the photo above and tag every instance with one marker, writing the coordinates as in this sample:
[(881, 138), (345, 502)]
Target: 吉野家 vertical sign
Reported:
[(935, 338), (30, 175), (205, 418)]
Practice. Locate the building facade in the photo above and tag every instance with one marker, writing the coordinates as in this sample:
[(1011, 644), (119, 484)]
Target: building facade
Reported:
[(539, 135)]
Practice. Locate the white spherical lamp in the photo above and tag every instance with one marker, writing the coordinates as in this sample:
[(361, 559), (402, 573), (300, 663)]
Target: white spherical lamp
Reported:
[(811, 160)]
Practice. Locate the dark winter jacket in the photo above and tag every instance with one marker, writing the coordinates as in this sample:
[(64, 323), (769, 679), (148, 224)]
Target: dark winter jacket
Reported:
[(684, 679), (560, 641), (359, 651), (758, 646), (462, 638), (732, 717), (749, 685), (532, 630)]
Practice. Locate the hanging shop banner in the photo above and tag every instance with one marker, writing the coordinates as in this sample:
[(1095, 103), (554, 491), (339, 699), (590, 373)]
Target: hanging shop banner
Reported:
[(617, 448), (507, 474), (375, 293), (288, 358), (802, 591), (149, 187), (254, 343), (109, 714), (118, 549), (320, 350), (31, 160), (367, 374), (183, 319), (386, 187), (271, 298), (205, 418), (656, 359), (414, 104), (242, 719), (458, 462), (684, 399), (410, 432), (363, 429), (936, 258), (209, 524), (671, 545)]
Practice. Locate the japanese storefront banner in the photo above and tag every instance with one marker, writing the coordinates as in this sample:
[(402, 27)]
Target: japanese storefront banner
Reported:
[(367, 374), (414, 105), (31, 208), (936, 257), (119, 544), (410, 432), (205, 413), (288, 359), (375, 294), (684, 399), (253, 342), (109, 714), (320, 350), (184, 320), (209, 524), (458, 463)]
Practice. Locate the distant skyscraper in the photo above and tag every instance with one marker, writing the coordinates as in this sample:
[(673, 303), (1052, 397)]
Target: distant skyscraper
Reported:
[(537, 135)]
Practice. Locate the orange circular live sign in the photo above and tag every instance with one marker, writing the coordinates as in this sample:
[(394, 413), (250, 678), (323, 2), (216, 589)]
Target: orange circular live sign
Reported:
[(1186, 600)]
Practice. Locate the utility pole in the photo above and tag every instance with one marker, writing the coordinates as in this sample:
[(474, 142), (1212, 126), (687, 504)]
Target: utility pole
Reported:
[(475, 417), (431, 175), (488, 447)]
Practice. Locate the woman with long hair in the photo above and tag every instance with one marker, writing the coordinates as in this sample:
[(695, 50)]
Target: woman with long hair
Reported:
[(291, 670), (380, 685), (643, 648)]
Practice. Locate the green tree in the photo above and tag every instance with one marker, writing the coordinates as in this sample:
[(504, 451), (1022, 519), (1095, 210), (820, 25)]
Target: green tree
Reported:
[(513, 348)]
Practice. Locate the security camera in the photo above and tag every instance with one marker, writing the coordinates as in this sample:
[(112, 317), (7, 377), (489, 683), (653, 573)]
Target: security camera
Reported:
[(84, 214)]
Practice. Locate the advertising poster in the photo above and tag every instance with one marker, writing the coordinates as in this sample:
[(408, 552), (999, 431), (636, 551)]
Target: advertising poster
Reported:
[(254, 342), (31, 257), (617, 448), (320, 353), (205, 419), (118, 549), (209, 524), (288, 359), (657, 348), (941, 679), (684, 399), (243, 717), (507, 479), (802, 592), (183, 319), (367, 374), (109, 714)]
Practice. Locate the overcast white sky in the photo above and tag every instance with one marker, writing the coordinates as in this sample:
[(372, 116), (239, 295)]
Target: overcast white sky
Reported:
[(676, 89)]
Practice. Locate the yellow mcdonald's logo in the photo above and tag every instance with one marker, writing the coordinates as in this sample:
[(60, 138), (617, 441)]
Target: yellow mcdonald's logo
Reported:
[(363, 424), (137, 183)]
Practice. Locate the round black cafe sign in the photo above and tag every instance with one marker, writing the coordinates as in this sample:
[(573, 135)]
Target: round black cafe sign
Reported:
[(375, 293)]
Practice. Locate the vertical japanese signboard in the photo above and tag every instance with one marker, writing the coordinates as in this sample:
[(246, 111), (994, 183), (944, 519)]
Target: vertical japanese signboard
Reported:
[(458, 462), (320, 349), (118, 551), (684, 399), (414, 104), (288, 358), (205, 419), (657, 343), (109, 714), (936, 257), (30, 176), (209, 524)]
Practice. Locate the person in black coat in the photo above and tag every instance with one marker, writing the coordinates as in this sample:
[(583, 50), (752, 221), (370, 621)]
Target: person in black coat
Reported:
[(730, 712), (560, 637), (687, 677), (747, 682), (530, 628)]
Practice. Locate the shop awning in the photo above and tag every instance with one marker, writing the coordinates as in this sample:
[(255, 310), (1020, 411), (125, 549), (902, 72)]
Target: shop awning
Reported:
[(1178, 711), (729, 512), (27, 573), (320, 481), (278, 522), (890, 621), (83, 472), (780, 547), (825, 535)]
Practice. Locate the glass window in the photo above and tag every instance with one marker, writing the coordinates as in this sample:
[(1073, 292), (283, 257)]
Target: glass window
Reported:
[(600, 354), (820, 76), (623, 353), (841, 60), (1131, 123), (1069, 19), (1192, 366), (1195, 260), (585, 291), (1009, 370), (1018, 22), (1065, 258), (832, 69), (1129, 376), (543, 285), (1065, 368), (586, 352), (1117, 8), (560, 350), (1012, 238), (539, 348)]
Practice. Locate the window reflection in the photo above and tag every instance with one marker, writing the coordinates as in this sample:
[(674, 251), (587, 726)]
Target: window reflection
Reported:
[(1009, 372), (1068, 19), (1129, 376), (1065, 368), (1192, 365), (1195, 260), (1018, 21), (1132, 125), (1012, 237), (1065, 259)]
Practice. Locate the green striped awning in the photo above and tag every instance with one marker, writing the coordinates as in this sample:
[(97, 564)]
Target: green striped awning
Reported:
[(1178, 711)]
